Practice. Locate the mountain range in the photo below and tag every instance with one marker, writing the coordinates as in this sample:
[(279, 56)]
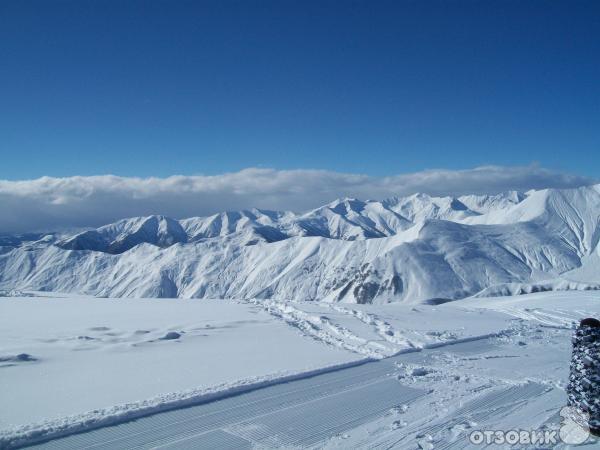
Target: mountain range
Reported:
[(412, 249)]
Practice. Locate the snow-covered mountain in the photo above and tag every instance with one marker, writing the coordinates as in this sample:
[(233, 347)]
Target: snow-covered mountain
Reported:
[(417, 248), (126, 234)]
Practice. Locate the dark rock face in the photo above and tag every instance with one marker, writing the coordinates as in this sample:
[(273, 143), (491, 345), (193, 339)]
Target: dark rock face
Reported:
[(583, 391), (366, 292), (366, 284)]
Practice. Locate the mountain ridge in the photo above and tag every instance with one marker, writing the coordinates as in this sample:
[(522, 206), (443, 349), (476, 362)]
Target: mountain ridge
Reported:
[(411, 249)]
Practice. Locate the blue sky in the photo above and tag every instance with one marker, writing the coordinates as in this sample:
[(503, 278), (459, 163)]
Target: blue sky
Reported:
[(155, 88)]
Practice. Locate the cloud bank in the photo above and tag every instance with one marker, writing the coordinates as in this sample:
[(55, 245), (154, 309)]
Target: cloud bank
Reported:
[(56, 203)]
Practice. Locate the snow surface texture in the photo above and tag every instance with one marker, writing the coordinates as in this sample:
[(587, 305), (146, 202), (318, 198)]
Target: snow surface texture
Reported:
[(86, 354), (493, 363), (414, 249)]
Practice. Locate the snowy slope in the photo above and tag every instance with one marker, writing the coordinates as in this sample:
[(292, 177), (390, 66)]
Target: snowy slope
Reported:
[(247, 368), (126, 234), (120, 348), (415, 249)]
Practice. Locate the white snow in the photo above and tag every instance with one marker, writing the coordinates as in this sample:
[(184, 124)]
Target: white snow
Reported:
[(98, 361), (414, 249), (514, 379), (470, 300), (92, 354)]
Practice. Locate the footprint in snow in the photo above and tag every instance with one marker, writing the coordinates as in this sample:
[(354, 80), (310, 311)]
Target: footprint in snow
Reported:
[(420, 372), (424, 441), (399, 409), (170, 336), (398, 424), (86, 338), (13, 360)]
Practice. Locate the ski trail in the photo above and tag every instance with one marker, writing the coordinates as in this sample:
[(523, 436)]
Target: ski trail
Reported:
[(450, 432), (322, 328), (554, 318), (381, 327)]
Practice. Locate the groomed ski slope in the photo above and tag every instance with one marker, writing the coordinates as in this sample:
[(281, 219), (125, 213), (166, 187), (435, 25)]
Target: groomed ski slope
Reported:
[(96, 358), (455, 367)]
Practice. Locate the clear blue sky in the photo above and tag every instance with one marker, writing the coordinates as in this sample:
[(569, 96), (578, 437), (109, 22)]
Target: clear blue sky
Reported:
[(140, 88)]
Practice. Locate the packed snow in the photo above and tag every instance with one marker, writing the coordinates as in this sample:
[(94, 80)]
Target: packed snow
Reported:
[(514, 379), (66, 356), (73, 363)]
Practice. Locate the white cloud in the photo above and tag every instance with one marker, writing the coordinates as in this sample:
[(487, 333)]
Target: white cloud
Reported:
[(53, 203)]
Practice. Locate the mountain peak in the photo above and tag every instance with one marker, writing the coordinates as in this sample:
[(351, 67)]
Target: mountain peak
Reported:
[(402, 249)]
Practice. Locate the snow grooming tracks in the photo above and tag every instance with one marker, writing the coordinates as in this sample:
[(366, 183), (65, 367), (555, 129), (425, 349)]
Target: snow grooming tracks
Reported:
[(300, 426), (499, 403), (555, 318), (331, 402), (45, 431)]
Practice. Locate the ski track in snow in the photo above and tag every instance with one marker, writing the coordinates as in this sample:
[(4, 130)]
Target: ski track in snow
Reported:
[(40, 432), (497, 397), (322, 328), (496, 362), (391, 341), (384, 329)]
